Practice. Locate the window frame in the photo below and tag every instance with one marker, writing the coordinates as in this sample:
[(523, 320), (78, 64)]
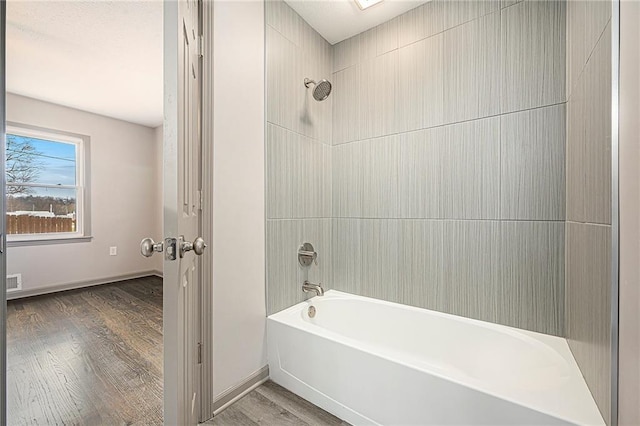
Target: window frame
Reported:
[(83, 217)]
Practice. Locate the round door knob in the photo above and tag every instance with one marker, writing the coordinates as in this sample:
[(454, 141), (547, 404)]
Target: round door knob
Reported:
[(199, 245), (148, 247)]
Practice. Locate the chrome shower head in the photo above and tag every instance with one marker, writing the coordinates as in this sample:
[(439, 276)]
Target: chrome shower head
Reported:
[(321, 90)]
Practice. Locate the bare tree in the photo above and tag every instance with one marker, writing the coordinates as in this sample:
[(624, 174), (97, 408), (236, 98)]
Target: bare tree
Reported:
[(22, 165)]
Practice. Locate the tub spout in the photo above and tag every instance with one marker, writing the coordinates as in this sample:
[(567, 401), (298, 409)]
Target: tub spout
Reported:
[(308, 287)]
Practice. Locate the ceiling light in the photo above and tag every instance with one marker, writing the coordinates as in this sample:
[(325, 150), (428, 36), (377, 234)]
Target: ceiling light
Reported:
[(363, 4)]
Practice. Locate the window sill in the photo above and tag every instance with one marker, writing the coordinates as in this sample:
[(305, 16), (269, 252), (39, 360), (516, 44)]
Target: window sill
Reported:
[(48, 241)]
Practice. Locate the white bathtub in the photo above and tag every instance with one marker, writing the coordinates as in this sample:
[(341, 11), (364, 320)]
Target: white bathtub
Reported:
[(374, 362)]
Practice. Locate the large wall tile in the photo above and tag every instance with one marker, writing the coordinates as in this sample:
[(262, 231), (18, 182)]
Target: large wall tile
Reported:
[(452, 172), (470, 269), (422, 22), (420, 101), (420, 181), (470, 170), (284, 274), (597, 115), (366, 257), (576, 126), (461, 11), (285, 20), (588, 306), (366, 178), (298, 175), (533, 56), (532, 281), (379, 272), (386, 36), (576, 46), (347, 255), (347, 162), (355, 50), (285, 88), (533, 163), (421, 253), (379, 168), (316, 63), (472, 69), (346, 106), (378, 81), (597, 15), (289, 103)]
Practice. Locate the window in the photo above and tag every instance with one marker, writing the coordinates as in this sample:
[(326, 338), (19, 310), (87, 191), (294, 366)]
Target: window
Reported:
[(45, 174)]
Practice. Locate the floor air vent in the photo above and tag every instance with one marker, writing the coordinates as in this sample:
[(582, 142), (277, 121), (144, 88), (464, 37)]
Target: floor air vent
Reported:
[(14, 282)]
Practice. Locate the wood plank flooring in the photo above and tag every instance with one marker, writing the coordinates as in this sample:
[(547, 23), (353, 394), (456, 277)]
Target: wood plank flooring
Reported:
[(273, 405), (87, 357), (94, 357)]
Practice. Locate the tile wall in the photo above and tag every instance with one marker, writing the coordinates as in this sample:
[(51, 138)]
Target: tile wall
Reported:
[(588, 228), (448, 161)]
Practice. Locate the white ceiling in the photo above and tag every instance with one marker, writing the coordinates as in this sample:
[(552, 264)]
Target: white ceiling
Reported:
[(337, 20), (95, 55)]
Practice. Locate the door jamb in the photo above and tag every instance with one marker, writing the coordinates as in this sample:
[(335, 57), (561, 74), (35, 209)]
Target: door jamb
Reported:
[(206, 281), (3, 244)]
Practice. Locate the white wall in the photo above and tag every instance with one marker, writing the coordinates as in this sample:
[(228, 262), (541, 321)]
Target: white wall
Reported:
[(629, 394), (238, 193), (124, 200), (158, 166)]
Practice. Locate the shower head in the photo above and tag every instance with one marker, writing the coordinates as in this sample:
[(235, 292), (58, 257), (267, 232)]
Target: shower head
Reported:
[(321, 90)]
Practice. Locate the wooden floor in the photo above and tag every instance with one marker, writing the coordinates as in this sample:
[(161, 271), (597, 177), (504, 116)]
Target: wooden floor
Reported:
[(273, 405), (90, 356), (94, 357)]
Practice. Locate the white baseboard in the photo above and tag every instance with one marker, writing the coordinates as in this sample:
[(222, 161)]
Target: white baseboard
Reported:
[(79, 284), (232, 395)]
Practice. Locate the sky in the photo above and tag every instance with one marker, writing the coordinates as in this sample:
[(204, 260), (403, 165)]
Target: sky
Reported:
[(57, 161), (57, 164)]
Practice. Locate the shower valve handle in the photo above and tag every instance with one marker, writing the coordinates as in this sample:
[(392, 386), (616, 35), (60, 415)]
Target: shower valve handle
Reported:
[(307, 254)]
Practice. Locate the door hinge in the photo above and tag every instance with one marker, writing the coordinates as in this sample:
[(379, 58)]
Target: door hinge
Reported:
[(201, 45), (201, 199), (199, 353)]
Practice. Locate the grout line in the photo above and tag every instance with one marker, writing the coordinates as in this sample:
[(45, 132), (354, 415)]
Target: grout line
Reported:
[(423, 219), (583, 68), (453, 124), (298, 133), (589, 223)]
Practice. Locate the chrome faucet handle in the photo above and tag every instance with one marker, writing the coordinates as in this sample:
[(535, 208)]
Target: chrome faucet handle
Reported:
[(306, 255)]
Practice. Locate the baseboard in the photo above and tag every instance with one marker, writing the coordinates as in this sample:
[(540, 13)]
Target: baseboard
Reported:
[(233, 394), (78, 284), (157, 273)]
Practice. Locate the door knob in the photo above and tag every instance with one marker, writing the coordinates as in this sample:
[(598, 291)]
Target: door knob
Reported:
[(148, 247), (197, 246)]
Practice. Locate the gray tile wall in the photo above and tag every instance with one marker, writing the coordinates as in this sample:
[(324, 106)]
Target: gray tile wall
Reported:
[(448, 161), (588, 200), (298, 151), (462, 163)]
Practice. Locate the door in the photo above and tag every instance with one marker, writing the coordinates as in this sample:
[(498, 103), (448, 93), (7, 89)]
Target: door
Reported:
[(182, 211), (3, 208)]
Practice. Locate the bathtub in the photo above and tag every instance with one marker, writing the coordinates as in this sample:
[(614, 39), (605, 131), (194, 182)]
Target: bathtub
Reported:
[(373, 362)]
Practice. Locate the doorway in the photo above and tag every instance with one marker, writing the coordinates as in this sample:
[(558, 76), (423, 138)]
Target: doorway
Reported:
[(85, 301)]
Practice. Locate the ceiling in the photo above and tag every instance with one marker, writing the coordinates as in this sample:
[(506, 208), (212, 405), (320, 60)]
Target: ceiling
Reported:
[(99, 56), (337, 20)]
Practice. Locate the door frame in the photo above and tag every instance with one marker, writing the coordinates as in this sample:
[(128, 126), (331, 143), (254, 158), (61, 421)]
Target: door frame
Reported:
[(3, 244), (206, 282)]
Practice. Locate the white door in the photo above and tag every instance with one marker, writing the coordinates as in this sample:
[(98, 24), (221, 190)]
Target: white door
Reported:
[(182, 211)]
